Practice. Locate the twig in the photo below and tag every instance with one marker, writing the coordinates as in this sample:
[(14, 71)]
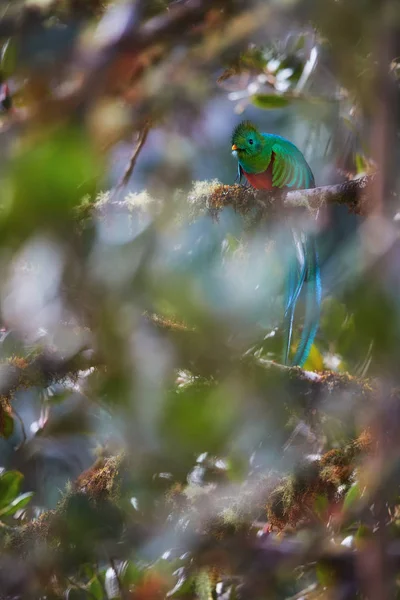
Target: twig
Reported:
[(143, 133)]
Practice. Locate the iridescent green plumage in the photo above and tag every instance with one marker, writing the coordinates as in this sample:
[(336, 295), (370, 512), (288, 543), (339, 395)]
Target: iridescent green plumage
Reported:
[(256, 152), (270, 161)]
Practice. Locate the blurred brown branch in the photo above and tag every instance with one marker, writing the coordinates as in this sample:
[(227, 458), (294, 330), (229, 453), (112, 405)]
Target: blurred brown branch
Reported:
[(44, 369), (117, 62), (143, 133), (196, 354)]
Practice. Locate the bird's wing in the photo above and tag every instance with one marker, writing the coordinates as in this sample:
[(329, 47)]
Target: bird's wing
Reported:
[(290, 168)]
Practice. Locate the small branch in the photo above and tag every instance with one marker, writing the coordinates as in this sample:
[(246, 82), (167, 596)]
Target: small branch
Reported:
[(132, 162)]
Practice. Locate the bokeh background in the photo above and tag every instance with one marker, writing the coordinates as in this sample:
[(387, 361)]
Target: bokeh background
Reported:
[(151, 444)]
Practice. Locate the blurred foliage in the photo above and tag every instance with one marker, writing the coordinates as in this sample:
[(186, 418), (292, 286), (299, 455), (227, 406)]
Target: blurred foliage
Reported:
[(152, 445)]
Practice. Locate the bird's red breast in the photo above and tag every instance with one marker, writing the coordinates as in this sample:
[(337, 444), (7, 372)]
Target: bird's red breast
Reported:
[(261, 181)]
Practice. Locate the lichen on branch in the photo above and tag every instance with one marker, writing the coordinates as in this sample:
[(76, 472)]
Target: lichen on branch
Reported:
[(355, 194)]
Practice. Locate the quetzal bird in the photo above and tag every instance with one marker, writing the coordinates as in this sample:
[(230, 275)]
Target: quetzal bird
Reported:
[(268, 162)]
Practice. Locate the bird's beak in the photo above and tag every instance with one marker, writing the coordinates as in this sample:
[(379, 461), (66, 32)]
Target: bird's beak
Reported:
[(234, 147)]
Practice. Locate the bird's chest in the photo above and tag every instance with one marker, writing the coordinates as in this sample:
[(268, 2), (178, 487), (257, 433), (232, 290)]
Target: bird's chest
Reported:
[(261, 181)]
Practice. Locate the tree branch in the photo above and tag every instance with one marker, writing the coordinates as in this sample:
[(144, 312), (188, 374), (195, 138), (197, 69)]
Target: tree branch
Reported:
[(355, 194)]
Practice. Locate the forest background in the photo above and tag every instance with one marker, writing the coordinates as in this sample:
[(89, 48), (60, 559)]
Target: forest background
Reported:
[(152, 445)]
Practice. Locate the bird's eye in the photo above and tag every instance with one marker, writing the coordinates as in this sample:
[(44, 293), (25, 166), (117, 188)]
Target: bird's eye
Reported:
[(250, 141)]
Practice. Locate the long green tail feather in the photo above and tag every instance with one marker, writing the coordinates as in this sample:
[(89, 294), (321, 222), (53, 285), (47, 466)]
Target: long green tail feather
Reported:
[(290, 304), (295, 281), (313, 303), (296, 277)]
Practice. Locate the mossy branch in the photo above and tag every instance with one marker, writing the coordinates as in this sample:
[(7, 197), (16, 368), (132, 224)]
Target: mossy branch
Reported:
[(212, 196), (355, 194), (193, 352)]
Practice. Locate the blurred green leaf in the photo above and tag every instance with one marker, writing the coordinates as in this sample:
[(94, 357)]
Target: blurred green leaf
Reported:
[(269, 101), (49, 177), (352, 496), (131, 574), (20, 502), (10, 483), (8, 60), (96, 589), (7, 424)]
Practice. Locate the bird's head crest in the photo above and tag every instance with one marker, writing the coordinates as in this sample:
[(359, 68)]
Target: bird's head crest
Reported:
[(246, 139), (242, 130)]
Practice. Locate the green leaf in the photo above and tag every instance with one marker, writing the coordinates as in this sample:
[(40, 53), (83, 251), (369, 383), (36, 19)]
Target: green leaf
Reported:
[(6, 424), (8, 58), (352, 496), (269, 101), (96, 589), (10, 483), (20, 502), (131, 574)]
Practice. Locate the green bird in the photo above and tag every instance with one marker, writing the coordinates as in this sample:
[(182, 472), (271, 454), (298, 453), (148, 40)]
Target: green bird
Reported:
[(268, 162)]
